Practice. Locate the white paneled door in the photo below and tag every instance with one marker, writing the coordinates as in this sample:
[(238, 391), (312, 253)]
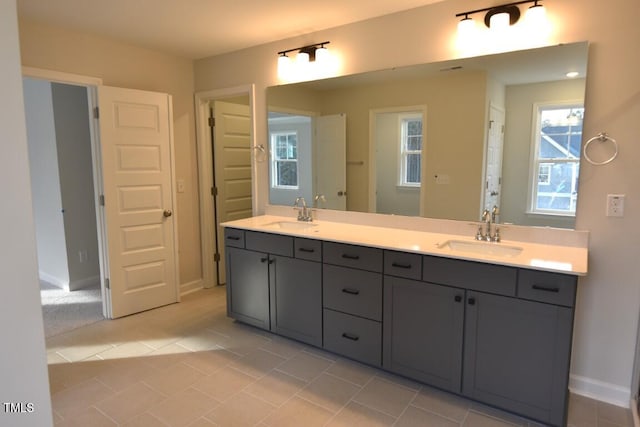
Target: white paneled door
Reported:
[(137, 174), (331, 160), (232, 168)]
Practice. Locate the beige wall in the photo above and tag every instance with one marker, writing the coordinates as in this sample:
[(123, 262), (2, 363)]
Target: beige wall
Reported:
[(609, 298), (23, 361), (127, 66)]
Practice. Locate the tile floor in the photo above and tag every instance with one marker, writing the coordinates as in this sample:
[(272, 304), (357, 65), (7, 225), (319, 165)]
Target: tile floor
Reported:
[(187, 364)]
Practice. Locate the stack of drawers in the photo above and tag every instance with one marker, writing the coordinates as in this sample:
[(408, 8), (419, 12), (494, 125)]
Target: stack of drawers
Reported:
[(352, 301)]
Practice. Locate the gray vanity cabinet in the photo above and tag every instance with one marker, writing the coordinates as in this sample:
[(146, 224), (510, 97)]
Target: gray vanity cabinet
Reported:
[(516, 355), (248, 286), (269, 286), (296, 299), (497, 334), (423, 327)]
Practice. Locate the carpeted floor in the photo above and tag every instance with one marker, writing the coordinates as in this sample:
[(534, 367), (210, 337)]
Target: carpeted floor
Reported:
[(64, 311)]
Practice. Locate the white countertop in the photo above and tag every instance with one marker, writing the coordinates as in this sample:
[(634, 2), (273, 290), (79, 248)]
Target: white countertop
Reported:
[(546, 257)]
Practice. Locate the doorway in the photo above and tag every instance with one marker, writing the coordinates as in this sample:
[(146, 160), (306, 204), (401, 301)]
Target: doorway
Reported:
[(132, 158), (61, 167), (397, 144), (227, 163)]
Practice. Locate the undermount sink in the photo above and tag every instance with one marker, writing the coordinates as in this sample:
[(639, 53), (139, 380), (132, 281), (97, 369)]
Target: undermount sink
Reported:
[(291, 225), (483, 248)]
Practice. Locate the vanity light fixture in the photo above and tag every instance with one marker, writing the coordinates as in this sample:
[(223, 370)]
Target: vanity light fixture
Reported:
[(503, 16), (309, 59)]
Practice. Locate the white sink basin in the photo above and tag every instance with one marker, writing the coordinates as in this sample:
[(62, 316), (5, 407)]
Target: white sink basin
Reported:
[(291, 225), (483, 248)]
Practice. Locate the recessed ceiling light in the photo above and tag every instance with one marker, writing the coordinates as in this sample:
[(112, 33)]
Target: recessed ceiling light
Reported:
[(572, 74)]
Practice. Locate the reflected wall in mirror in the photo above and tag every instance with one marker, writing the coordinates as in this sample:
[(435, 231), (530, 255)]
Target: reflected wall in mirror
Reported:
[(501, 130)]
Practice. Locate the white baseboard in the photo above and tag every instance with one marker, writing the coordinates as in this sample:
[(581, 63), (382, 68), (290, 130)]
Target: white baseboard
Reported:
[(63, 284), (189, 287), (600, 390), (84, 283)]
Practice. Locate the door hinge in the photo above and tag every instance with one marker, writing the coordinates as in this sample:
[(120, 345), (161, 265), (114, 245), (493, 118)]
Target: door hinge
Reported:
[(96, 113), (212, 121), (216, 257), (102, 200), (107, 284), (214, 191)]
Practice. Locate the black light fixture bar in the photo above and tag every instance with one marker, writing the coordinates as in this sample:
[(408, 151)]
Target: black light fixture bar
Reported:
[(487, 9), (310, 49)]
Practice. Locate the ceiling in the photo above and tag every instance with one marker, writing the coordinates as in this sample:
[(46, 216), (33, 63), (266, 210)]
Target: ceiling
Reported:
[(199, 28)]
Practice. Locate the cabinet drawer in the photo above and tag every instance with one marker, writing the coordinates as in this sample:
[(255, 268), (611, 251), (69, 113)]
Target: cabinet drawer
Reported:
[(352, 291), (352, 336), (234, 237), (275, 244), (308, 249), (477, 276), (552, 288), (402, 264), (352, 256)]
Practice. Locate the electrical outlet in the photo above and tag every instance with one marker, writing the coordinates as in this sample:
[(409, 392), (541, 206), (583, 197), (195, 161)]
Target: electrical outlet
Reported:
[(615, 205), (83, 255)]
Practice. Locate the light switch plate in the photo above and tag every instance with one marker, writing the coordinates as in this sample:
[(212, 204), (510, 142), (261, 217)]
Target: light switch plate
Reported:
[(180, 183)]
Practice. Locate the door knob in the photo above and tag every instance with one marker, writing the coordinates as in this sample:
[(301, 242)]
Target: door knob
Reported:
[(167, 213)]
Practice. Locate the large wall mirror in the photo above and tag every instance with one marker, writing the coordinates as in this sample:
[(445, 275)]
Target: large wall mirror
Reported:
[(443, 140)]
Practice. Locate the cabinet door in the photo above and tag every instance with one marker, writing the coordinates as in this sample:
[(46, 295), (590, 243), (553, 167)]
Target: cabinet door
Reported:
[(423, 326), (296, 299), (248, 286), (517, 355)]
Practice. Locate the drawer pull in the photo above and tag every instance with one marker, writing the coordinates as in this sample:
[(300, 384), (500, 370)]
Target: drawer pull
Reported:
[(471, 301), (233, 238), (310, 251), (546, 288), (398, 265), (349, 256), (457, 298), (264, 259), (351, 291), (350, 336)]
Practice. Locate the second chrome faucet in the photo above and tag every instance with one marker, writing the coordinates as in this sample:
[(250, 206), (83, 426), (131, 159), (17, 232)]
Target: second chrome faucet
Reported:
[(490, 233)]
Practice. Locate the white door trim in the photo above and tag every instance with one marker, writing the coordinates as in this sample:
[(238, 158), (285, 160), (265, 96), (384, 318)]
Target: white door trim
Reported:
[(91, 83), (205, 170)]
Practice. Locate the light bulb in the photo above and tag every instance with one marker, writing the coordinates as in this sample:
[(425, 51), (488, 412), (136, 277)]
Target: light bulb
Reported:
[(499, 21), (302, 59), (466, 28), (284, 67), (322, 55), (536, 15)]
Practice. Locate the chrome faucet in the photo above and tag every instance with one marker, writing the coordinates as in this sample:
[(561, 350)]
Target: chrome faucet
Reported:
[(304, 213), (489, 234)]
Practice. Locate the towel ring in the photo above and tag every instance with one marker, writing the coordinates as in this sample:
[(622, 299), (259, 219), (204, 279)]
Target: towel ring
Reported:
[(260, 153), (602, 137)]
